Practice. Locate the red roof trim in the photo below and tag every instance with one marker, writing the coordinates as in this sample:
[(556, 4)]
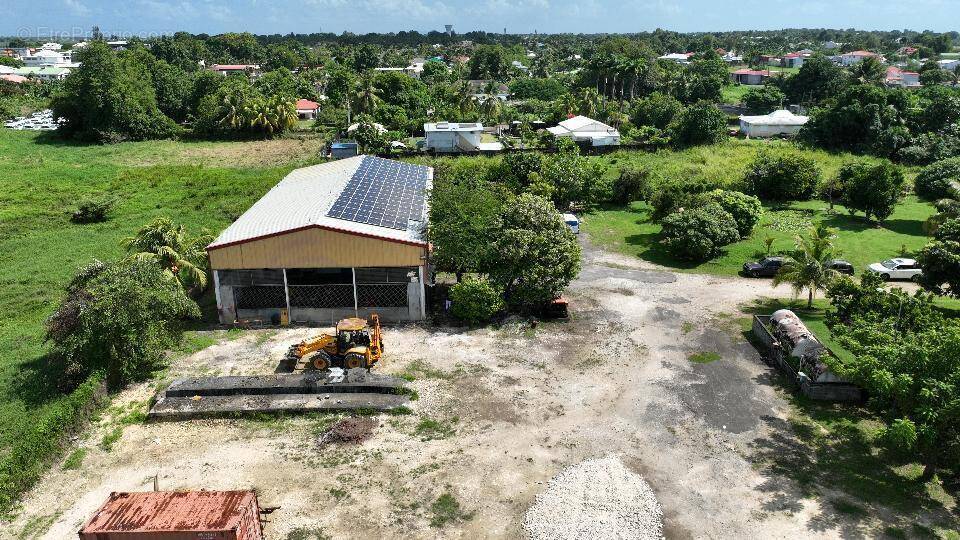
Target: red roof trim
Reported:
[(323, 227)]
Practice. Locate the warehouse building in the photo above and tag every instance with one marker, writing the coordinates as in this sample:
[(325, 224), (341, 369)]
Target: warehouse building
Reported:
[(333, 240)]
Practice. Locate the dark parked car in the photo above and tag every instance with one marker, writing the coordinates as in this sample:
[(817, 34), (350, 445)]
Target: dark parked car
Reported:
[(841, 266), (766, 267)]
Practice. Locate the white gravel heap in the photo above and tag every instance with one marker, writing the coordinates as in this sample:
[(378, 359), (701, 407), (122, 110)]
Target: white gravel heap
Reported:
[(597, 498)]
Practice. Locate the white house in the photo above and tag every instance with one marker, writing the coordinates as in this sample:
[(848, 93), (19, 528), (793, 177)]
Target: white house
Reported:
[(950, 64), (583, 129), (831, 45), (48, 58), (306, 109), (771, 125), (855, 57), (680, 58), (452, 137)]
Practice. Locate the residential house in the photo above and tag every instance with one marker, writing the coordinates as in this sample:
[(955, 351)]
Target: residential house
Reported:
[(253, 70), (898, 77), (680, 58), (582, 130), (519, 65), (306, 109), (907, 51), (749, 76), (950, 64), (855, 57), (46, 73), (48, 58), (777, 123), (452, 137), (831, 45), (13, 79), (792, 60)]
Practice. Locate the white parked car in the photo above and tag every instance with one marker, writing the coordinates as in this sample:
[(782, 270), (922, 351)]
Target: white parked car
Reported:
[(572, 222), (897, 268)]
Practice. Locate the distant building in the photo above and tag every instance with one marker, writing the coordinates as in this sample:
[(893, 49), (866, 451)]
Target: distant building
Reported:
[(855, 57), (452, 137), (898, 77), (792, 60), (777, 123), (43, 73), (907, 51), (831, 45), (253, 70), (950, 65), (48, 58), (582, 129), (306, 109), (13, 79), (749, 76), (680, 58)]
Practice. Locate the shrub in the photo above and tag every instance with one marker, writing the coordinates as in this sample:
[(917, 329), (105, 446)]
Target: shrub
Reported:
[(940, 180), (698, 234), (745, 209), (669, 196), (764, 99), (118, 317), (633, 184), (701, 123), (475, 300), (656, 110), (92, 210), (782, 177)]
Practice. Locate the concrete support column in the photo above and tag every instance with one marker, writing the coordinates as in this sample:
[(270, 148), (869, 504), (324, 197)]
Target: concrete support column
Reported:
[(356, 303), (286, 295), (423, 293), (216, 289)]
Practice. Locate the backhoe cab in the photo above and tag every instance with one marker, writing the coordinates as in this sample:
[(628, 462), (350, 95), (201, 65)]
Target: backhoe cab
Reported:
[(356, 344)]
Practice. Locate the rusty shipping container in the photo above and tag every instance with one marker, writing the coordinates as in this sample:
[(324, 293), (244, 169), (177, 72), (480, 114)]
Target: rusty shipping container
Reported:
[(176, 515)]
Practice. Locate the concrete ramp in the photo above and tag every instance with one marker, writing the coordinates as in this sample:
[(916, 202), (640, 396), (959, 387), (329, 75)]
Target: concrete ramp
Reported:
[(334, 390)]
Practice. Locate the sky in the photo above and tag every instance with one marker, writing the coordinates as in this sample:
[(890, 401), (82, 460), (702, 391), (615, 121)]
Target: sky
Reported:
[(73, 18)]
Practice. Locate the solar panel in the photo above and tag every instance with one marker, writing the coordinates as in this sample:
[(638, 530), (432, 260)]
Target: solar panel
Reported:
[(384, 193)]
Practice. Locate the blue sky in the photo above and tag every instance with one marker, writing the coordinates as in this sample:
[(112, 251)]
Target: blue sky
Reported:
[(43, 17)]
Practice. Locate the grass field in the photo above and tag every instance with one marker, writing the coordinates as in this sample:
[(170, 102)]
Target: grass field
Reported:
[(40, 248), (733, 93)]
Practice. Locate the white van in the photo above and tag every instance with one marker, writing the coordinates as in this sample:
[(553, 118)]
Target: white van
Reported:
[(572, 222)]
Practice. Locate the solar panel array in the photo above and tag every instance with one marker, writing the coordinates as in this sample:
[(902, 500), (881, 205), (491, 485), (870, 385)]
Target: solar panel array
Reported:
[(384, 193)]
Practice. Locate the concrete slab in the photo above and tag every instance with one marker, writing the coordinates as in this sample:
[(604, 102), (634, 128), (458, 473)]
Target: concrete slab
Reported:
[(183, 408)]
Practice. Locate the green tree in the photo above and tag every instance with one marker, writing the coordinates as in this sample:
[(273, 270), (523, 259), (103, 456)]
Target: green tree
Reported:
[(701, 123), (464, 223), (110, 98), (940, 260), (657, 110), (745, 209), (817, 80), (940, 180), (572, 178), (872, 189), (764, 99), (808, 268), (168, 246), (705, 78), (698, 234), (533, 88), (535, 254), (118, 317), (869, 71), (782, 176)]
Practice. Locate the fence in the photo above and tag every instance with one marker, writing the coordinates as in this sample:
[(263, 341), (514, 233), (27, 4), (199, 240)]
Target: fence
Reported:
[(322, 296)]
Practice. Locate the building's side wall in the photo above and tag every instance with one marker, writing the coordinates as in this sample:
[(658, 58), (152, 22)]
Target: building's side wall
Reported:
[(316, 248)]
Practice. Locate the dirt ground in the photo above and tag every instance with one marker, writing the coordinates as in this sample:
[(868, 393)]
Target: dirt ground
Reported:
[(500, 411)]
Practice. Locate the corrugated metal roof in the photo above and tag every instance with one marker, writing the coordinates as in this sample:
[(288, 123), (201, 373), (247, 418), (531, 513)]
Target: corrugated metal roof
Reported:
[(170, 511), (302, 199), (776, 118)]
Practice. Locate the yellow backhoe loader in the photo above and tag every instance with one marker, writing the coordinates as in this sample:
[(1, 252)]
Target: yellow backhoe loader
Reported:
[(356, 344)]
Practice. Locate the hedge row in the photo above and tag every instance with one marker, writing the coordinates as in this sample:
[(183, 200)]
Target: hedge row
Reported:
[(28, 459)]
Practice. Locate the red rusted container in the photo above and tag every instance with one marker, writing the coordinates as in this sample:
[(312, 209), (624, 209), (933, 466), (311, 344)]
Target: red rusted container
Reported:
[(176, 515)]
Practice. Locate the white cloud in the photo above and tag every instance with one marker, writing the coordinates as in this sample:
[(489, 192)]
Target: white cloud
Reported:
[(76, 7)]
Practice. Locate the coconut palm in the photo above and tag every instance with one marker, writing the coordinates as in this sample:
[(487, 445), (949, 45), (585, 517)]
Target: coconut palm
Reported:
[(366, 99), (167, 244), (491, 109), (590, 102), (808, 266)]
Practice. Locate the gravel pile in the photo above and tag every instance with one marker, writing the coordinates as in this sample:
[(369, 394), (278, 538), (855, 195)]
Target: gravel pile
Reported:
[(597, 498)]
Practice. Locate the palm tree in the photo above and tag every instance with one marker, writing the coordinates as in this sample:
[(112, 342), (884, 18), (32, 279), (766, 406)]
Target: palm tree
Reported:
[(366, 99), (181, 256), (568, 104), (465, 100), (230, 112), (590, 102), (808, 268), (491, 109)]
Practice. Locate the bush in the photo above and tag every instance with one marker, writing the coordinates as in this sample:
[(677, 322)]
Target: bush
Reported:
[(474, 301), (700, 233), (745, 209), (701, 123), (668, 196), (783, 177), (92, 210), (656, 110), (117, 317), (764, 99), (633, 184), (940, 180)]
